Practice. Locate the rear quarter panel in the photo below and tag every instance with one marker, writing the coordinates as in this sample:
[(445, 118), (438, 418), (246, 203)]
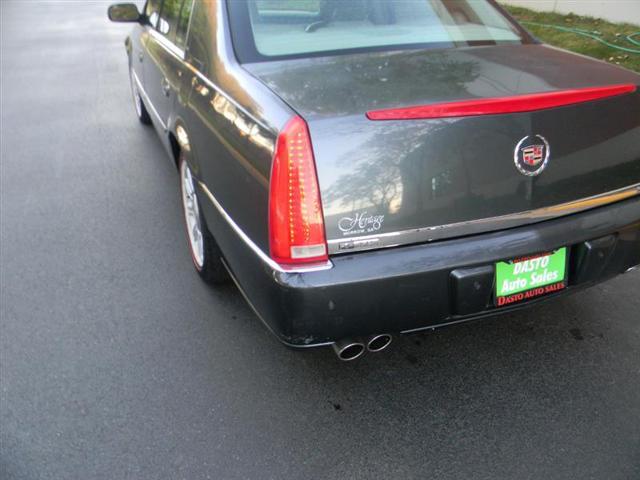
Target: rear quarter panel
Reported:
[(232, 120)]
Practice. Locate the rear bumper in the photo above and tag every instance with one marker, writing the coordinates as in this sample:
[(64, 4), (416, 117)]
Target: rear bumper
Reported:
[(423, 286)]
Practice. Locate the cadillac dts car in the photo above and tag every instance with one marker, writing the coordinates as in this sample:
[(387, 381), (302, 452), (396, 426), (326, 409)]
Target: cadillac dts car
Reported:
[(365, 168)]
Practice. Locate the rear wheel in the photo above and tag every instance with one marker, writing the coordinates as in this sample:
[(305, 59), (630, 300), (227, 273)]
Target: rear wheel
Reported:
[(141, 110), (205, 253)]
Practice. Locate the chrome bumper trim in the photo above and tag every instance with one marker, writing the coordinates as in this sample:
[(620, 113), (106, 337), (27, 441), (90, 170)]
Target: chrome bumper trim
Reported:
[(472, 227)]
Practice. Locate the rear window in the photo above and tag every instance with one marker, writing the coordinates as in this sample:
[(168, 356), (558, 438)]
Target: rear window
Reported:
[(273, 29)]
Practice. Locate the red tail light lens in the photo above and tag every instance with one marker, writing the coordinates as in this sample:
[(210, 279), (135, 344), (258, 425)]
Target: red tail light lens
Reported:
[(296, 223), (495, 106)]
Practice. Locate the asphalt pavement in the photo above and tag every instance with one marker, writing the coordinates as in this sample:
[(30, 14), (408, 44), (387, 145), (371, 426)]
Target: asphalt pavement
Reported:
[(117, 362)]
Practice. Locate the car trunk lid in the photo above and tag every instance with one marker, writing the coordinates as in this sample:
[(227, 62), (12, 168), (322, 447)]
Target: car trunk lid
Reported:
[(400, 181)]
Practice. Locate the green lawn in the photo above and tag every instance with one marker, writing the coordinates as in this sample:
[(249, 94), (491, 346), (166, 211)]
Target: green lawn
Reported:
[(614, 33)]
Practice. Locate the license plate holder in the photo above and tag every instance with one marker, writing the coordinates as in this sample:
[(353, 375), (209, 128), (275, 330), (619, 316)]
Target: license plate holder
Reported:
[(526, 278)]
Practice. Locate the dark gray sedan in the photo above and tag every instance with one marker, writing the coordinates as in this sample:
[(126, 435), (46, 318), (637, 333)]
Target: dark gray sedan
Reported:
[(361, 168)]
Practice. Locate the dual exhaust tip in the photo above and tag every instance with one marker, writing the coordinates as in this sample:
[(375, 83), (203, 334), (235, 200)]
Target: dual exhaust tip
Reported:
[(349, 349)]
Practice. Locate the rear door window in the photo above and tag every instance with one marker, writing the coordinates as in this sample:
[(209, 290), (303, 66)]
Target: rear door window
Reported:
[(183, 23), (169, 16), (152, 11), (201, 41)]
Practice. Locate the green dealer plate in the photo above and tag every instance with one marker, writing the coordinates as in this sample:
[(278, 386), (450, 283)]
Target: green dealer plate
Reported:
[(529, 277)]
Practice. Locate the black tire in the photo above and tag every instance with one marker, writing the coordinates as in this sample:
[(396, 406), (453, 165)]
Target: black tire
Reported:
[(210, 266), (138, 104)]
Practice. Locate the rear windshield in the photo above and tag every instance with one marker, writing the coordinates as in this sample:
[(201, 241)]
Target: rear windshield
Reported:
[(274, 29)]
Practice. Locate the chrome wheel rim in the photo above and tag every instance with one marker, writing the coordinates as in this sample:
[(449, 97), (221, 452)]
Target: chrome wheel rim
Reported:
[(192, 215), (137, 101)]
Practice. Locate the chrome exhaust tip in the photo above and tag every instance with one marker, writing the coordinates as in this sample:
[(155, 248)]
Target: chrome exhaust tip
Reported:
[(377, 343), (348, 349)]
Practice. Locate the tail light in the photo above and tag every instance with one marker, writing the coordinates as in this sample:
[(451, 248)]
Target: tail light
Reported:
[(296, 222), (495, 106)]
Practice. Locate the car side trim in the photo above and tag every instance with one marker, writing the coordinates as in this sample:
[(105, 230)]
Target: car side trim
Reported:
[(147, 101), (484, 225), (255, 248)]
